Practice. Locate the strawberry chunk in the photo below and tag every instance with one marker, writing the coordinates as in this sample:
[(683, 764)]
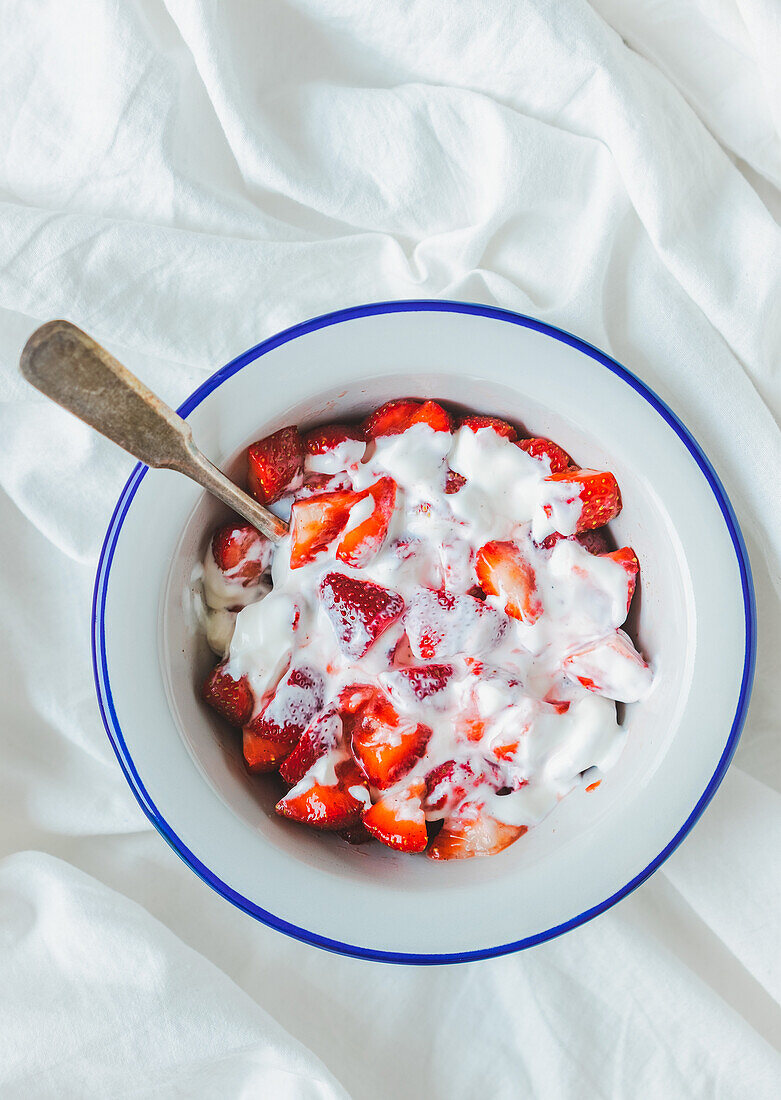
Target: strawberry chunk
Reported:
[(397, 820), (241, 552), (441, 625), (595, 541), (231, 698), (319, 738), (501, 427), (385, 746), (356, 834), (454, 482), (394, 417), (627, 558), (336, 805), (316, 521), (264, 754), (473, 833), (503, 571), (426, 680), (610, 666), (359, 611), (274, 464), (446, 786), (546, 448), (364, 540), (599, 495), (320, 440), (296, 700)]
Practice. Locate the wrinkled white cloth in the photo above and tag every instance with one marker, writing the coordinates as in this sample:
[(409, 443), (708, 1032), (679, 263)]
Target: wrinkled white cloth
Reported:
[(184, 178)]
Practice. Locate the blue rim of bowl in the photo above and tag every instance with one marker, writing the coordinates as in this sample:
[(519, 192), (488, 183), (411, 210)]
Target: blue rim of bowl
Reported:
[(100, 666)]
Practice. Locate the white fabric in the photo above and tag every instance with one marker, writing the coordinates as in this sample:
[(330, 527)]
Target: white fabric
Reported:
[(183, 179)]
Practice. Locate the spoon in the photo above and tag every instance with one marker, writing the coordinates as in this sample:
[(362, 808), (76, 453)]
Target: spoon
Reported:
[(72, 369)]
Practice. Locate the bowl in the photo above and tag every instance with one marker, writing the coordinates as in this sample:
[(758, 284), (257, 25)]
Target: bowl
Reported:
[(694, 620)]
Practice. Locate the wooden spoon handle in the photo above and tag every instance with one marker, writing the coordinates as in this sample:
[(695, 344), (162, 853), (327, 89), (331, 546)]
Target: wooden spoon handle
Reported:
[(72, 369)]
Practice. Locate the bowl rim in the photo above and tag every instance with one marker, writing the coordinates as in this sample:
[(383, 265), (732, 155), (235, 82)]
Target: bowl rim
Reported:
[(103, 686)]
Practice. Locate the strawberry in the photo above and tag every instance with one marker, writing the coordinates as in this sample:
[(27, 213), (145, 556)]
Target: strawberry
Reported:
[(394, 417), (610, 666), (240, 551), (446, 785), (441, 625), (328, 806), (595, 541), (627, 558), (501, 427), (296, 700), (503, 571), (397, 820), (274, 463), (454, 482), (264, 754), (363, 541), (316, 521), (231, 698), (359, 611), (385, 746), (320, 736), (546, 448), (426, 680), (320, 440), (473, 833), (599, 495)]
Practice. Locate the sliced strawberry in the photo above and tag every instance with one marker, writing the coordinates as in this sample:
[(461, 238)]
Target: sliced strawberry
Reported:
[(599, 494), (473, 833), (296, 700), (610, 666), (627, 558), (315, 484), (359, 611), (319, 738), (454, 482), (385, 746), (397, 820), (503, 571), (328, 806), (264, 754), (441, 625), (274, 464), (240, 551), (426, 680), (546, 448), (446, 786), (363, 541), (394, 417), (231, 698), (316, 521), (501, 427), (320, 440)]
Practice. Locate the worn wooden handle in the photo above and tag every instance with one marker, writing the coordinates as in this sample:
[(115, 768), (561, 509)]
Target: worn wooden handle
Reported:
[(72, 369)]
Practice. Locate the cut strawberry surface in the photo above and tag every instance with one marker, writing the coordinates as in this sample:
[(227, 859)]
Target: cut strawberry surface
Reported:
[(394, 417), (274, 463), (319, 738), (264, 754), (362, 542), (610, 666), (385, 746), (599, 495), (321, 440), (503, 571), (397, 820), (240, 551), (328, 806), (359, 611), (627, 558), (316, 522), (546, 448), (232, 699), (441, 625), (501, 427), (296, 700), (473, 833)]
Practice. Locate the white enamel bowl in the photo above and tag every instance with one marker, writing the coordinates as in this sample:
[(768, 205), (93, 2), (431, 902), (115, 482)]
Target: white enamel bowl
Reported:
[(694, 621)]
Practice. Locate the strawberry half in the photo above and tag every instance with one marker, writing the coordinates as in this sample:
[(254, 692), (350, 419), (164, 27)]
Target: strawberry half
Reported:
[(363, 541), (397, 820), (501, 427), (473, 833), (316, 521), (319, 738), (297, 698), (321, 440), (394, 417), (546, 448), (385, 746), (241, 551), (264, 754), (503, 571), (328, 806), (599, 494), (627, 558), (274, 463), (359, 611), (231, 698)]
